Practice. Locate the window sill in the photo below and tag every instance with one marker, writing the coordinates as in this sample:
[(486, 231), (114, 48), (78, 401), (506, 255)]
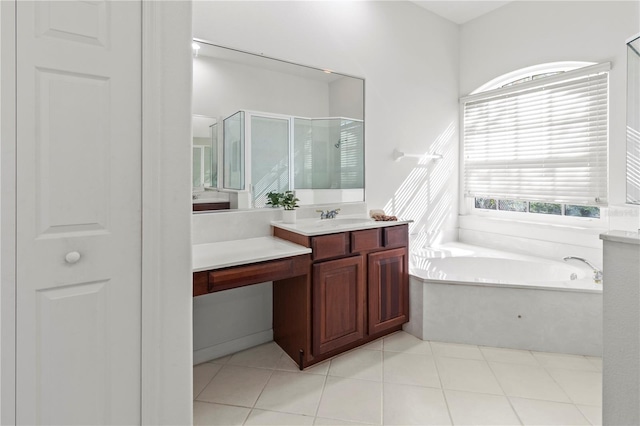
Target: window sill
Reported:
[(587, 236)]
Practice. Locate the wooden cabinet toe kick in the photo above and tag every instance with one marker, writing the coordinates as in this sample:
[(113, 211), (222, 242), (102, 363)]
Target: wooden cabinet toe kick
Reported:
[(238, 276)]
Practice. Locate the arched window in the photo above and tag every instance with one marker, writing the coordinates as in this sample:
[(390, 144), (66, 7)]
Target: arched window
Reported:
[(536, 140)]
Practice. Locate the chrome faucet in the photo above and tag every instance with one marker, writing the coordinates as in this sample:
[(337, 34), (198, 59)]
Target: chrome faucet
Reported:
[(597, 273), (329, 214)]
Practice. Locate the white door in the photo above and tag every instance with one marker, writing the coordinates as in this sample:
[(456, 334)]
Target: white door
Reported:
[(78, 212)]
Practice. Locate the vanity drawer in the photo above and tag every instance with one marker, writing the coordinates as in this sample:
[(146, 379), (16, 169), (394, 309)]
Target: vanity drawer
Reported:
[(331, 245), (368, 239), (396, 236), (238, 276), (201, 207), (200, 283)]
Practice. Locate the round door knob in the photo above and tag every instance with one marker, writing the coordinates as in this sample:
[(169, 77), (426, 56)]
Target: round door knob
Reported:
[(72, 257)]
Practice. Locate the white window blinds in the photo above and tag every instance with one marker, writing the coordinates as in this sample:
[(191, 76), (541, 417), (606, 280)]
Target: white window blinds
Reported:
[(543, 140)]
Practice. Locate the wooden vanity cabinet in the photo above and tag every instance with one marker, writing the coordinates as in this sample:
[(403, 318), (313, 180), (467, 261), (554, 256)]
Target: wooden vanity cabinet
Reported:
[(359, 291)]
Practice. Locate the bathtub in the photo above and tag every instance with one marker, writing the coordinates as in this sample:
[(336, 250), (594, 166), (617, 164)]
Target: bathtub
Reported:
[(467, 294)]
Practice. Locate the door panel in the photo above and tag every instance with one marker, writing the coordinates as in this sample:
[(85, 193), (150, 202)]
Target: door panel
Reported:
[(65, 316), (83, 22), (72, 112), (79, 212)]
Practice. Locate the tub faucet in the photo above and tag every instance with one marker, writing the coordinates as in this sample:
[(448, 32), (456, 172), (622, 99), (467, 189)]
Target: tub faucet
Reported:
[(329, 214), (597, 273)]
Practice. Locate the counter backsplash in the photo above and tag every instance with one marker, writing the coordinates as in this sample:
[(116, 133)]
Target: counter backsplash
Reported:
[(241, 224)]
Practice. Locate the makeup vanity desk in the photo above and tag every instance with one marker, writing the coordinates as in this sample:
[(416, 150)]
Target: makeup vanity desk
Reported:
[(230, 264), (335, 287)]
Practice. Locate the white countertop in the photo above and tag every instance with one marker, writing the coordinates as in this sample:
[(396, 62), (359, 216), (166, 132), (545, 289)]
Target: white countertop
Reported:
[(312, 227), (241, 252), (621, 237)]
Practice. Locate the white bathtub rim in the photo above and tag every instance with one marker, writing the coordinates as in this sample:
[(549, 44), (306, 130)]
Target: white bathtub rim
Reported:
[(585, 285), (455, 249)]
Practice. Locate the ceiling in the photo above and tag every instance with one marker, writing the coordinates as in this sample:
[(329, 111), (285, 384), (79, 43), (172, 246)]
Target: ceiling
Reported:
[(460, 11)]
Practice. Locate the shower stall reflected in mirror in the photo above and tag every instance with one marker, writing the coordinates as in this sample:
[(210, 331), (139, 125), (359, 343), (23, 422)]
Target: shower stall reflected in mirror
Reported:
[(311, 156), (269, 141), (328, 155)]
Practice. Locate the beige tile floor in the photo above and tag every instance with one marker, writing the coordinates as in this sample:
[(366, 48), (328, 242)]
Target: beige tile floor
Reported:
[(400, 380)]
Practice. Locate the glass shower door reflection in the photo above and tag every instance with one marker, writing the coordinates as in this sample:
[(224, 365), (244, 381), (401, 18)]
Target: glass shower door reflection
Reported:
[(233, 151), (269, 157), (633, 121), (329, 153)]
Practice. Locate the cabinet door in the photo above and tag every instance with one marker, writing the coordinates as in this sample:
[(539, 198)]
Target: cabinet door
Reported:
[(338, 303), (388, 289)]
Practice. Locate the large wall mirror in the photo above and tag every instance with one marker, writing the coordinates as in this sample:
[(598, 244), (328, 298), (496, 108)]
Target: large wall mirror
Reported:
[(633, 121), (280, 126)]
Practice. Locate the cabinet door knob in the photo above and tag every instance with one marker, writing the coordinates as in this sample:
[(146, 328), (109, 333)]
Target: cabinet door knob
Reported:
[(72, 257)]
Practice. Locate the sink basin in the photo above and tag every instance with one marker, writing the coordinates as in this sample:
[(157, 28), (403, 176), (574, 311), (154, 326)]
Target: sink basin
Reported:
[(341, 221)]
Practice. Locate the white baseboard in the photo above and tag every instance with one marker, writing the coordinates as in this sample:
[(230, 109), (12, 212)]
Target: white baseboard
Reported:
[(232, 346)]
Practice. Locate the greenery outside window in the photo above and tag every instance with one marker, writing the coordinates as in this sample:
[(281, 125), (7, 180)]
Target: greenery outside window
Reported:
[(513, 205), (537, 207)]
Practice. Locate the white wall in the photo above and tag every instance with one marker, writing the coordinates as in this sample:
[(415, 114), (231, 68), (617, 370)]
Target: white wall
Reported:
[(621, 368), (221, 88), (527, 33), (409, 59), (345, 98), (166, 172), (8, 216)]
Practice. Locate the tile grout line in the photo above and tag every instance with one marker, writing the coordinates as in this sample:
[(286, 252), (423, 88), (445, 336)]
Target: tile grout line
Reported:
[(383, 385), (435, 363), (195, 398), (587, 418), (560, 385), (244, 422), (253, 407), (324, 385), (502, 388), (222, 365), (444, 395), (573, 402), (446, 402)]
